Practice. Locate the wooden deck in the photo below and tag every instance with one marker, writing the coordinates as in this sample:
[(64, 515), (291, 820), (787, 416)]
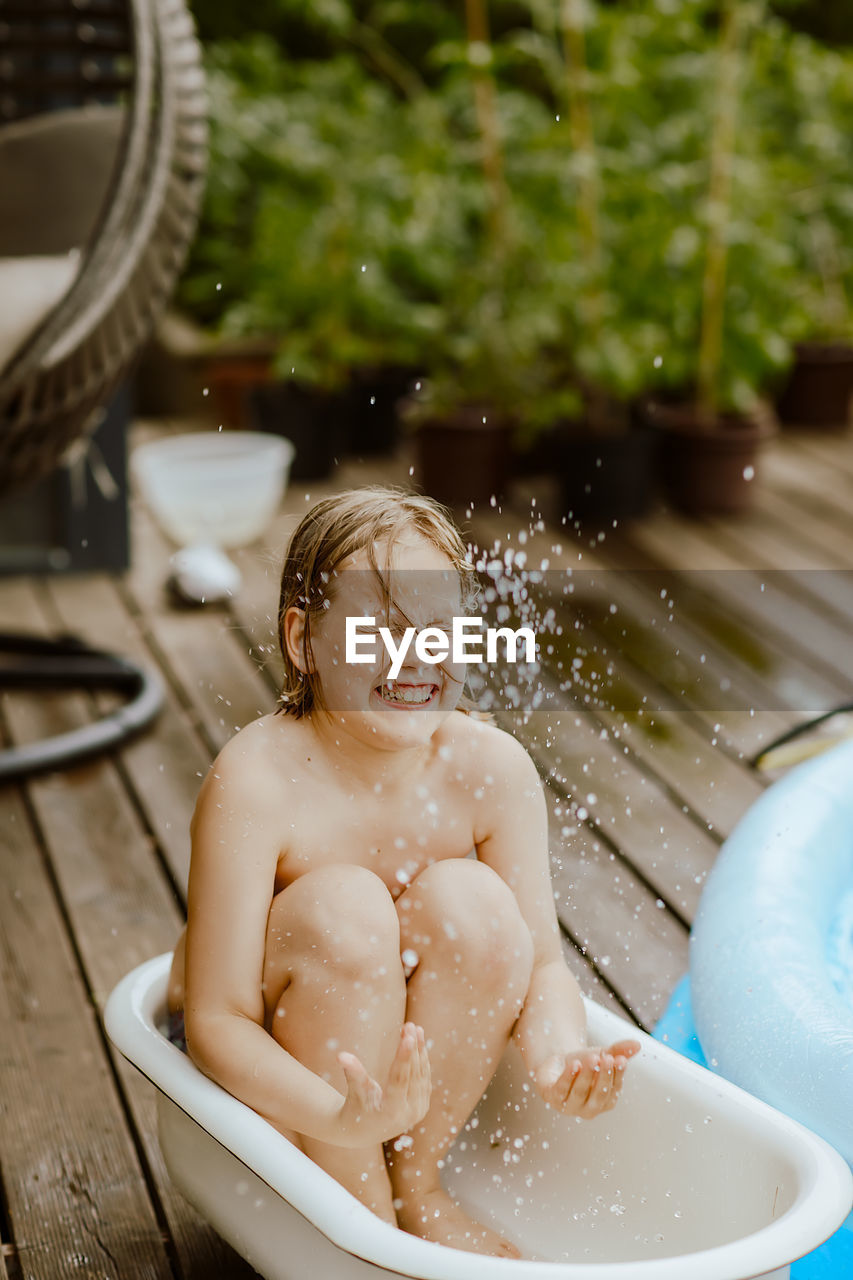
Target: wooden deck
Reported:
[(693, 643)]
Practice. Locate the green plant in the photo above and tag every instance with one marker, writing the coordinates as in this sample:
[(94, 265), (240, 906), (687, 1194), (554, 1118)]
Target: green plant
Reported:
[(806, 129), (335, 217), (560, 213), (691, 212), (499, 316)]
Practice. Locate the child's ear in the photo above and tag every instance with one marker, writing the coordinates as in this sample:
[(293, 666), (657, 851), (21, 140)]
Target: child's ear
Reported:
[(293, 633)]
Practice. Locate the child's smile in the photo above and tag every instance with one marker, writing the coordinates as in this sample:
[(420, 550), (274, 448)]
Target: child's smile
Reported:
[(406, 696)]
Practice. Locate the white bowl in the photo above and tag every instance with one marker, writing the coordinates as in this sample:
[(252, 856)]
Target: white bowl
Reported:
[(219, 488)]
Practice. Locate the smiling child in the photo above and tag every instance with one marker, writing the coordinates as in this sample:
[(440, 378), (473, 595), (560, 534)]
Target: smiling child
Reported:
[(370, 913)]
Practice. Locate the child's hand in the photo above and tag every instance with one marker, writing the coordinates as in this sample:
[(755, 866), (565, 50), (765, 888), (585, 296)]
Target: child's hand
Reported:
[(371, 1114), (586, 1083)]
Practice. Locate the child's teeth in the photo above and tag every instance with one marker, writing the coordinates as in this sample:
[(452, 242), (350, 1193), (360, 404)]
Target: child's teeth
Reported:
[(406, 694)]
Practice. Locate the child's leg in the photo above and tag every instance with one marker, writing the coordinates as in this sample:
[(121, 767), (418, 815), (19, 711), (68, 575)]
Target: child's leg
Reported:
[(475, 957), (333, 981)]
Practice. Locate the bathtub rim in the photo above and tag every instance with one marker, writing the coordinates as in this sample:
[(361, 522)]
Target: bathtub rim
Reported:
[(825, 1181)]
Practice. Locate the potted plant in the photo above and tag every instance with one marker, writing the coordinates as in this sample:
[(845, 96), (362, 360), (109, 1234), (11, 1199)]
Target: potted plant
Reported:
[(462, 413), (604, 458), (484, 379), (215, 277), (711, 437), (333, 269), (810, 132), (505, 391)]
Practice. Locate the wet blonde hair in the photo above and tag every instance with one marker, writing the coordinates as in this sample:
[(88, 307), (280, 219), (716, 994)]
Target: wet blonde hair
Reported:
[(333, 530)]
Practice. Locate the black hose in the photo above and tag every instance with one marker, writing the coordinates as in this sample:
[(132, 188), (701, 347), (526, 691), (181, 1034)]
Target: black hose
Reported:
[(797, 731), (28, 661)]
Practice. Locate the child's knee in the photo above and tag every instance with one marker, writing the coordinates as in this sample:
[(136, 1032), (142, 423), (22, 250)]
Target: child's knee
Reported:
[(340, 918), (463, 909)]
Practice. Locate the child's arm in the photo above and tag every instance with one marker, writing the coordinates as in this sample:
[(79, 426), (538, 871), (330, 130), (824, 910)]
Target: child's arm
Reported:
[(232, 875), (571, 1075)]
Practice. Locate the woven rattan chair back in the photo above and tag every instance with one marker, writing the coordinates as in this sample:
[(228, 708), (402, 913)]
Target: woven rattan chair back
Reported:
[(138, 58)]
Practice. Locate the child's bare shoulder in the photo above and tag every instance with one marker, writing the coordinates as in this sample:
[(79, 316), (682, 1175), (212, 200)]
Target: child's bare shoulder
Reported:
[(488, 753), (252, 762)]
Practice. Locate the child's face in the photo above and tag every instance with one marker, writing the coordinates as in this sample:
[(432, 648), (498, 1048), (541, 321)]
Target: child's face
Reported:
[(405, 712)]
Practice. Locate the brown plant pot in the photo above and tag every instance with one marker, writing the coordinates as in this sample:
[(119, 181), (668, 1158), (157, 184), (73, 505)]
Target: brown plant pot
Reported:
[(374, 394), (231, 379), (708, 471), (607, 475), (312, 419), (819, 390), (461, 460)]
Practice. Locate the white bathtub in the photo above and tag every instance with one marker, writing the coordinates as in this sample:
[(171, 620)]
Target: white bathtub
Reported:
[(689, 1177)]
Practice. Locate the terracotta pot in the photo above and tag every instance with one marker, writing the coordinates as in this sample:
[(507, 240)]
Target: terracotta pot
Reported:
[(312, 419), (462, 460), (231, 379), (607, 475), (819, 390), (708, 471), (373, 421)]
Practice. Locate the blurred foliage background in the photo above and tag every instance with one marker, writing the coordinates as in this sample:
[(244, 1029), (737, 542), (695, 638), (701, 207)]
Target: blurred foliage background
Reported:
[(533, 201)]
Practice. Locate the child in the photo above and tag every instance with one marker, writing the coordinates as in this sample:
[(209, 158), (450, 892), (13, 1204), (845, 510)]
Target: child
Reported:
[(350, 973)]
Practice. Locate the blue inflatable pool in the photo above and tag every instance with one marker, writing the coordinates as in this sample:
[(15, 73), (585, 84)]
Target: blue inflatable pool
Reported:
[(769, 1004)]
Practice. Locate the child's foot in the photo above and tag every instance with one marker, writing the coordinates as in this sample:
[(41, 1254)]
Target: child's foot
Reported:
[(434, 1216)]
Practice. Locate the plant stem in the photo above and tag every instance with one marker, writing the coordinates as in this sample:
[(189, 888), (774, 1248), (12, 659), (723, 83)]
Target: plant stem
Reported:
[(395, 68), (723, 121), (828, 261), (573, 34), (583, 142), (485, 103)]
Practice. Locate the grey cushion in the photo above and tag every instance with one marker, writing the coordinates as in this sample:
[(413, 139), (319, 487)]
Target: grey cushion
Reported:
[(30, 288), (55, 174)]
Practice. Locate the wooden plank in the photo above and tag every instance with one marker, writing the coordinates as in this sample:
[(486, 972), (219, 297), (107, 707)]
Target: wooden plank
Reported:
[(118, 904), (743, 613), (711, 681), (76, 1197), (611, 913), (164, 765), (767, 598), (735, 678), (676, 542), (714, 663), (813, 500), (661, 736), (639, 949), (776, 544), (834, 448), (621, 806), (207, 662), (591, 983)]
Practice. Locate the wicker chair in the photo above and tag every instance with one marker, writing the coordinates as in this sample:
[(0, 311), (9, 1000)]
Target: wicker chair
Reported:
[(113, 90)]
